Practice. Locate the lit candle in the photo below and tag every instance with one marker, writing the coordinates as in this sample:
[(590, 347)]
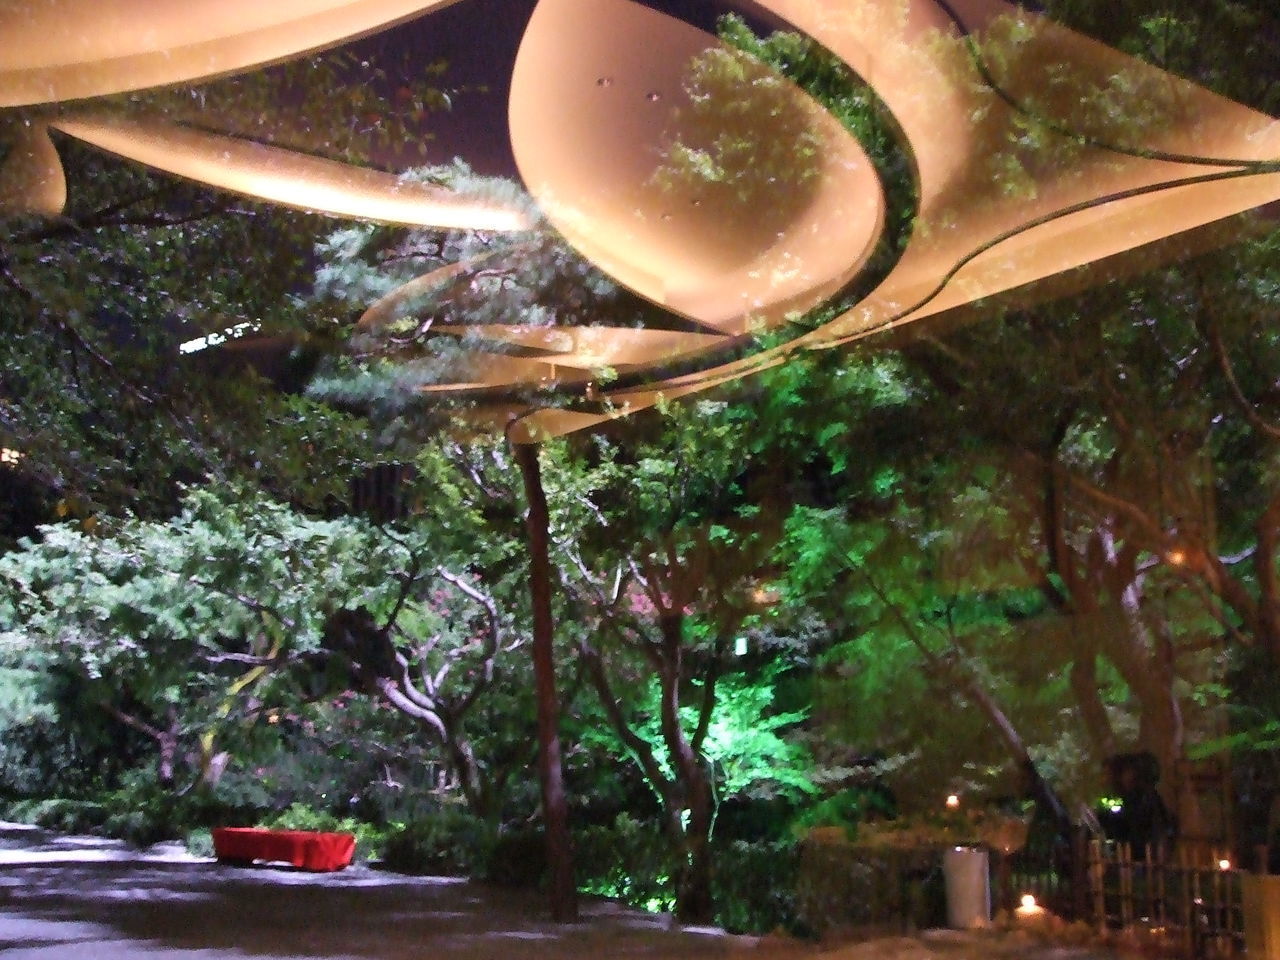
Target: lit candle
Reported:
[(1030, 914)]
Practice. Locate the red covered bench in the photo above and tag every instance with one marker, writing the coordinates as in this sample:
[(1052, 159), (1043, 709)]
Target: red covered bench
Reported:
[(307, 849)]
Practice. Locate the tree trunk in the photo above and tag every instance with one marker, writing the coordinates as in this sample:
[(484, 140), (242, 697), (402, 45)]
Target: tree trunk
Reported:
[(694, 902), (462, 758), (1036, 785), (555, 807), (1093, 712), (166, 763)]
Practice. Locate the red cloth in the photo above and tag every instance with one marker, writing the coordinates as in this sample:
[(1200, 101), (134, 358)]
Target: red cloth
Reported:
[(302, 848)]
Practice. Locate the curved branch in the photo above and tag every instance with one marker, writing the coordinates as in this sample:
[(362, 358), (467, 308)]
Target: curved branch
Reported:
[(387, 687), (1237, 394)]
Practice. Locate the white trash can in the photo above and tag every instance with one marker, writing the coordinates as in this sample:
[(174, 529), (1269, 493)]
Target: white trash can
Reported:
[(968, 880)]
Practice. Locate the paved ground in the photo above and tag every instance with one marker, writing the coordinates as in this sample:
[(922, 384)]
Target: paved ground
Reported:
[(65, 898)]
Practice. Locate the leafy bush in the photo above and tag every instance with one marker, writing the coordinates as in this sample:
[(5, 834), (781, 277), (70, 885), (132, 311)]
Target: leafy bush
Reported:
[(139, 828), (451, 842), (840, 886), (62, 815), (630, 860), (518, 859), (754, 886), (199, 842)]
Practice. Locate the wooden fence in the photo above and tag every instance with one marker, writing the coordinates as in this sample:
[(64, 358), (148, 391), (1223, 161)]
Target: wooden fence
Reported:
[(1183, 902), (1176, 902), (1188, 902)]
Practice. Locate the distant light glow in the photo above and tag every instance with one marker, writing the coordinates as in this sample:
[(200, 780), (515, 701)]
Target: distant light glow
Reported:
[(215, 339), (1028, 901), (1177, 556), (10, 457), (953, 802), (764, 597), (1224, 864)]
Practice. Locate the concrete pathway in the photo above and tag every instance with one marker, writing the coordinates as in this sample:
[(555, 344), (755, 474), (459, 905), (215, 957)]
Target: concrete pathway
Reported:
[(67, 898)]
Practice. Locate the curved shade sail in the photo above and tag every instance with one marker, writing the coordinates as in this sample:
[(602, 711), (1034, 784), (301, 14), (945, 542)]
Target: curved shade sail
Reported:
[(289, 178), (693, 174), (31, 177), (996, 214), (57, 50), (590, 348)]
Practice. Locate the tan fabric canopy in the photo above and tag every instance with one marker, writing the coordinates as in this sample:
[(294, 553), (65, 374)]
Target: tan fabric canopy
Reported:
[(288, 178), (59, 50), (994, 214), (31, 178), (609, 137), (693, 175)]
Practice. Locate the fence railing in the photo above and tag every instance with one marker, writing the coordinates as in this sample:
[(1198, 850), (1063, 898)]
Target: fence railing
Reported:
[(1188, 902), (1176, 901)]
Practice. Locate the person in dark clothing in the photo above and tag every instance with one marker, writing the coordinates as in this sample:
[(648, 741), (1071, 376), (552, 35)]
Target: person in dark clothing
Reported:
[(1142, 818)]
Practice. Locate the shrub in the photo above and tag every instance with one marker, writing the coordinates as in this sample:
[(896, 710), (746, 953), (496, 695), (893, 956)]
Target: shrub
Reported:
[(139, 828), (199, 842), (629, 860), (518, 859), (840, 886), (754, 886), (452, 842), (62, 815)]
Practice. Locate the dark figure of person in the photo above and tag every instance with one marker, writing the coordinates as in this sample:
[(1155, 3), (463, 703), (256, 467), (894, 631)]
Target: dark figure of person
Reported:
[(1142, 819)]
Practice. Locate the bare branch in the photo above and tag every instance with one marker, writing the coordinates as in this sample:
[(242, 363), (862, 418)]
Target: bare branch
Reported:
[(1237, 394)]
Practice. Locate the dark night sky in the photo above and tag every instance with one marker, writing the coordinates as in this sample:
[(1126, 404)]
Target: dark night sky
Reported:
[(479, 39)]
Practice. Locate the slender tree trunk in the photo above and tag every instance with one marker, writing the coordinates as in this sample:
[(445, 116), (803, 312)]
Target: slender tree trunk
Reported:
[(167, 762), (1084, 684), (693, 888), (555, 807), (1036, 784), (462, 758)]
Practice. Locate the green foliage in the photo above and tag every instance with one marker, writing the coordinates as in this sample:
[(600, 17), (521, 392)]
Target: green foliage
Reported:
[(199, 843), (451, 841), (840, 888), (844, 809), (755, 886), (94, 318), (95, 303), (171, 627), (529, 279), (628, 860), (746, 747), (62, 815), (853, 102)]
